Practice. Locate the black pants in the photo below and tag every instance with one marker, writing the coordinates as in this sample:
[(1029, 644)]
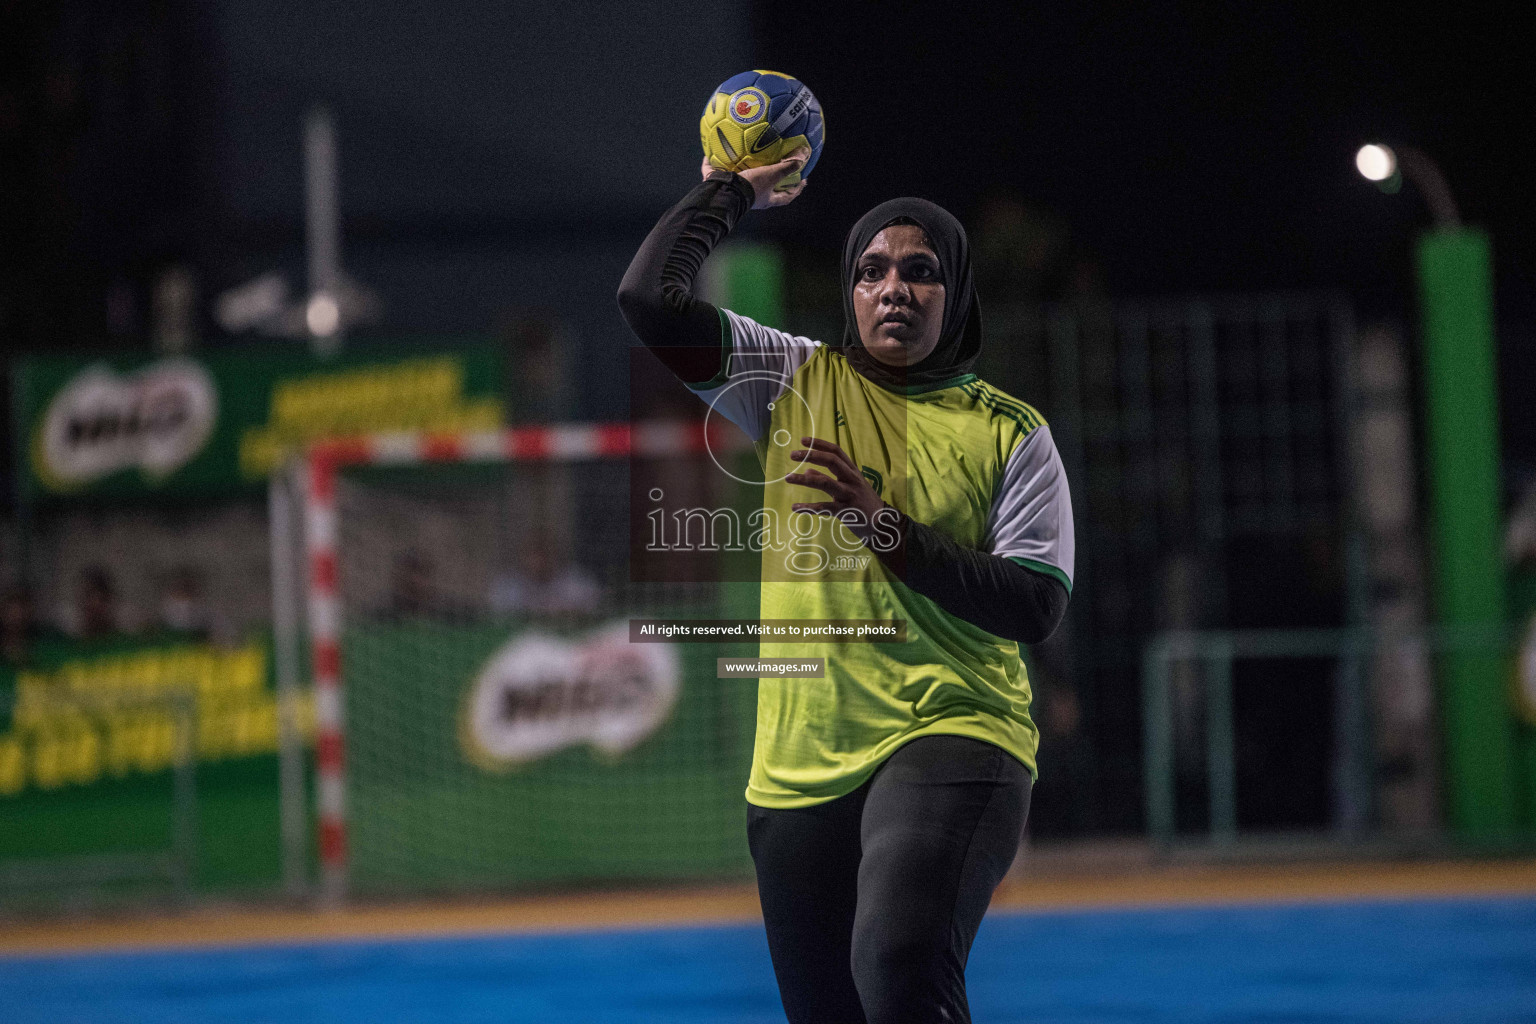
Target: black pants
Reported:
[(872, 900)]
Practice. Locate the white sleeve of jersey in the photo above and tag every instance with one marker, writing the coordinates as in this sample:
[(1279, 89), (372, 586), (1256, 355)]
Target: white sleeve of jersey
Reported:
[(756, 372), (1031, 517)]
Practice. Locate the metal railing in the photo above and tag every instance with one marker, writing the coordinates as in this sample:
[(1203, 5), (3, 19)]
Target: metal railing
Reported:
[(1216, 651), (1190, 429)]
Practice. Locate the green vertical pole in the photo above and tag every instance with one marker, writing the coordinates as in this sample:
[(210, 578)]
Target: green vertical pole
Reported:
[(751, 281), (1220, 757), (1157, 743), (1461, 418)]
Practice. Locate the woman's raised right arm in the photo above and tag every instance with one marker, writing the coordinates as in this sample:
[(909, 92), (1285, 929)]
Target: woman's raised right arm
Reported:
[(656, 295)]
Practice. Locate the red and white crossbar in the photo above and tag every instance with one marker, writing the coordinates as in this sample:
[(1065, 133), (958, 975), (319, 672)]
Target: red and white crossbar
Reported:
[(565, 443)]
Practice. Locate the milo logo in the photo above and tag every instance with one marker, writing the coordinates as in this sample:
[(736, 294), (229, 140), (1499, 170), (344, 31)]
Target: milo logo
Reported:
[(155, 420), (541, 693)]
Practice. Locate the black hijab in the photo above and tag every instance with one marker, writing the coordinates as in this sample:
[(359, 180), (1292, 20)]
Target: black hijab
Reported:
[(959, 338)]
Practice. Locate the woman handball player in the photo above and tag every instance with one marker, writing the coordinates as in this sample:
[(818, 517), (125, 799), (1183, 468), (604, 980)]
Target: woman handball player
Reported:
[(887, 800)]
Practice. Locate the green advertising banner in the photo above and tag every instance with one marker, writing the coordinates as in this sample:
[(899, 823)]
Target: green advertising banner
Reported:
[(218, 424), (91, 734), (482, 756), (489, 754)]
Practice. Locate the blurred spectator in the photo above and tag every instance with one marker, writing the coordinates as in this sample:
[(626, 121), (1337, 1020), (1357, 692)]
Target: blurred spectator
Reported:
[(544, 584), (1024, 253), (414, 594), (1284, 710), (1520, 536), (410, 585), (1520, 550), (183, 608), (1064, 808), (538, 386), (19, 629), (95, 612), (174, 312)]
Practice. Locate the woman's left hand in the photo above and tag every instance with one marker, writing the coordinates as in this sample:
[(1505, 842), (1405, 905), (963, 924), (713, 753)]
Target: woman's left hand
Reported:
[(853, 502)]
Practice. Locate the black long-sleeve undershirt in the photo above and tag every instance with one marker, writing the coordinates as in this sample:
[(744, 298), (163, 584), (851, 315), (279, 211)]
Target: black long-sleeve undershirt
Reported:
[(656, 297), (1001, 596)]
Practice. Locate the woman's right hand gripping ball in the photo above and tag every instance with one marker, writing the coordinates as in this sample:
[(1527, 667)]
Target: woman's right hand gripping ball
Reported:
[(764, 178)]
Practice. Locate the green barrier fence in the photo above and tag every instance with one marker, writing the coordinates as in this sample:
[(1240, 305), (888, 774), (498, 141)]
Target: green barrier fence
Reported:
[(1210, 656)]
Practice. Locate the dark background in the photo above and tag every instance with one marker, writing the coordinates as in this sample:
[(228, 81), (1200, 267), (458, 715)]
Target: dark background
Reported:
[(497, 160), (1191, 147), (1187, 147)]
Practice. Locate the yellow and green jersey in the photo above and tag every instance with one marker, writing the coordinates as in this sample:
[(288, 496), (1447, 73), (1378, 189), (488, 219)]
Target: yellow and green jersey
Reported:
[(960, 456)]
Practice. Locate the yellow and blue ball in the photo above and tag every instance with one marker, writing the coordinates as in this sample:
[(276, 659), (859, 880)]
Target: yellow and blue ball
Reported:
[(761, 117)]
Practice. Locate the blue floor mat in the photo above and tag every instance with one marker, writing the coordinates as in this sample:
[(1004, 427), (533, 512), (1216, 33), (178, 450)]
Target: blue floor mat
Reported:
[(1442, 961)]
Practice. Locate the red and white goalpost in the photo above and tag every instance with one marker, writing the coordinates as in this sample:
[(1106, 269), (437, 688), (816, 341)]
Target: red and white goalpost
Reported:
[(321, 582)]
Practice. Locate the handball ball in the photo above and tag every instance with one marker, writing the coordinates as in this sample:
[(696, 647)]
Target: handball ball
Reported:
[(761, 117)]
